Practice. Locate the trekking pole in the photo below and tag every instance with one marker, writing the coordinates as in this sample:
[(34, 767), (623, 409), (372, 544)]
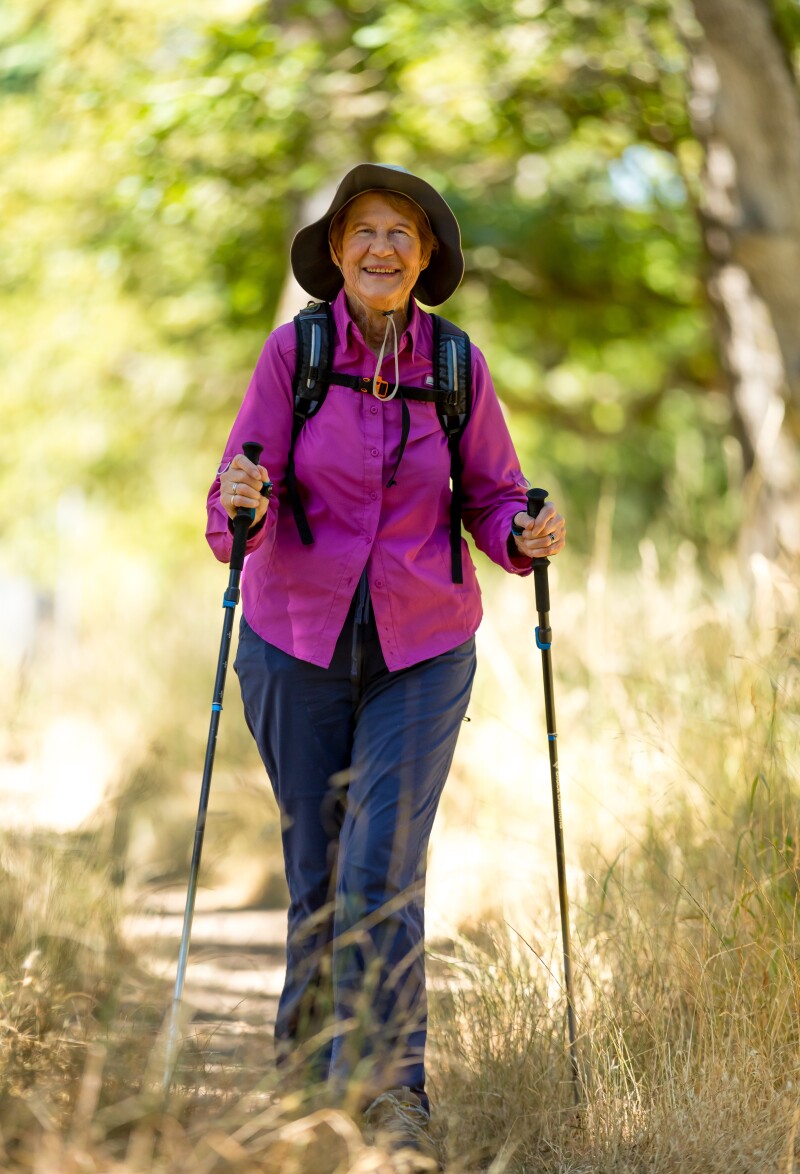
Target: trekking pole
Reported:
[(241, 524), (536, 499)]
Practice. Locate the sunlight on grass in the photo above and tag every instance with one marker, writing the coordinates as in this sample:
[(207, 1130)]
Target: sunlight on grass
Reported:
[(678, 731)]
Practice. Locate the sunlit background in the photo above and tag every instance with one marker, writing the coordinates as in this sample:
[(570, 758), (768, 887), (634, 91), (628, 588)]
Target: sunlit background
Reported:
[(156, 160)]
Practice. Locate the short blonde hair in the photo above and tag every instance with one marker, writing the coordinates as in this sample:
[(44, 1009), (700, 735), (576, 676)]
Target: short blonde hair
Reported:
[(400, 203)]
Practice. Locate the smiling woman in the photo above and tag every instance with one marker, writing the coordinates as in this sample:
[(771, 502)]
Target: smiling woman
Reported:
[(356, 652)]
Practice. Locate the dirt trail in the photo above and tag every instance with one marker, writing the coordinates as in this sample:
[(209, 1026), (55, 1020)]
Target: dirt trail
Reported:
[(233, 978)]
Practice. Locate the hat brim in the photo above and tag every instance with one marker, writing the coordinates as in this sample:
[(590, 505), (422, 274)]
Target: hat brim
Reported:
[(310, 256)]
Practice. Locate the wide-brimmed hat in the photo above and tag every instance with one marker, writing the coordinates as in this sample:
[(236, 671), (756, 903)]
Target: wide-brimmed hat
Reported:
[(311, 259)]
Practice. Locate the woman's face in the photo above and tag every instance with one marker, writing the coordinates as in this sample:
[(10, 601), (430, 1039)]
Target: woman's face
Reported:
[(381, 256)]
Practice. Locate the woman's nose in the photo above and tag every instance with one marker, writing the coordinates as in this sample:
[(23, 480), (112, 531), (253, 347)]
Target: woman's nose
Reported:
[(381, 245)]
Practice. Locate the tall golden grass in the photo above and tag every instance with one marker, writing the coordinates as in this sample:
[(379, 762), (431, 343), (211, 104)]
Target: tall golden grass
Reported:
[(678, 707)]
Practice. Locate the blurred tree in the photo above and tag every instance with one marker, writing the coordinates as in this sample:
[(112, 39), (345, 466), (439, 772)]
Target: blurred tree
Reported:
[(179, 149), (747, 114), (161, 157)]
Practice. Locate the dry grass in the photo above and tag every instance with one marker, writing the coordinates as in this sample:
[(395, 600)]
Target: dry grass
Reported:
[(678, 715), (683, 806)]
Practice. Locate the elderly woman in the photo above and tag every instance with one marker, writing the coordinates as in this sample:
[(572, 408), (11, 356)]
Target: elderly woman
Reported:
[(360, 605)]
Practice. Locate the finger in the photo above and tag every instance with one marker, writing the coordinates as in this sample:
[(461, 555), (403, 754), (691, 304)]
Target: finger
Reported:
[(544, 522), (538, 524), (240, 478), (540, 548), (240, 462), (237, 504), (237, 496), (535, 546), (535, 533), (244, 497)]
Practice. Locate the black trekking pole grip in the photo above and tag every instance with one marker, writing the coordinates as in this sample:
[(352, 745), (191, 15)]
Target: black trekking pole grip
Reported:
[(536, 499), (244, 517)]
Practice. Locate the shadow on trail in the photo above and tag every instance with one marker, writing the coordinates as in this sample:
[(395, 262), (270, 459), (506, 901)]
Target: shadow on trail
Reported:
[(233, 979)]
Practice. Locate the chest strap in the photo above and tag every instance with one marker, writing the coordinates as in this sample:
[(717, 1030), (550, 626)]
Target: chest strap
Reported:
[(451, 393)]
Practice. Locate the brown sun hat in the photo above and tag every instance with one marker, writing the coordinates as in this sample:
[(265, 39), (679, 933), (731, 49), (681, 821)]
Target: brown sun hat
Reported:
[(311, 260)]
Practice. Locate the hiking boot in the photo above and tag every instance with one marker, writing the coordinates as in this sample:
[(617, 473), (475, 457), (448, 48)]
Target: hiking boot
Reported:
[(399, 1123)]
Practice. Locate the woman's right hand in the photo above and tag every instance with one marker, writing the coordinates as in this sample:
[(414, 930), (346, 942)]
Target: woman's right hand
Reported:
[(240, 488)]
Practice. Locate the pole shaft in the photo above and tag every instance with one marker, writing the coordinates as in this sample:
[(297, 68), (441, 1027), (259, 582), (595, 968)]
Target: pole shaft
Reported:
[(561, 869), (241, 527), (206, 787), (230, 600), (544, 637)]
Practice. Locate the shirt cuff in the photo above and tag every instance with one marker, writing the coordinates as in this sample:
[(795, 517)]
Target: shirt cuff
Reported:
[(251, 533)]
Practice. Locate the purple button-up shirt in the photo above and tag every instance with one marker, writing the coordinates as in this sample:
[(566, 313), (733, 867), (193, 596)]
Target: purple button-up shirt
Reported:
[(297, 597)]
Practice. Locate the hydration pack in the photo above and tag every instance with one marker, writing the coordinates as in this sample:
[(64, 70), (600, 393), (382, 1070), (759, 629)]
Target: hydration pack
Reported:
[(451, 392)]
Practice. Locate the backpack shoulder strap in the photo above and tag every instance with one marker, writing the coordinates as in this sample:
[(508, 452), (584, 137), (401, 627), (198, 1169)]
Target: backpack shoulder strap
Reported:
[(314, 330), (452, 374)]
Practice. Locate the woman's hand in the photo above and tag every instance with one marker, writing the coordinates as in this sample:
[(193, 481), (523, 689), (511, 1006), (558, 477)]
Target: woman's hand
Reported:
[(543, 536), (240, 488)]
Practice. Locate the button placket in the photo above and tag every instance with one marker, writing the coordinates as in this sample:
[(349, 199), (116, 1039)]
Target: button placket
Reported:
[(373, 438)]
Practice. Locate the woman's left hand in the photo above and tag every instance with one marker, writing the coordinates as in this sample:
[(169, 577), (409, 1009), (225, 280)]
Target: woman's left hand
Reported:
[(544, 535)]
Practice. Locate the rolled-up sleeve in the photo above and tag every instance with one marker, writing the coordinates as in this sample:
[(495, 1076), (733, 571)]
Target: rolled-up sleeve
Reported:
[(493, 483), (264, 418)]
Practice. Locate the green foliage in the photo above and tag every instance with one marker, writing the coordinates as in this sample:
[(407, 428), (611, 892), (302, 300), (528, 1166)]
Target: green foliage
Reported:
[(786, 16), (161, 158)]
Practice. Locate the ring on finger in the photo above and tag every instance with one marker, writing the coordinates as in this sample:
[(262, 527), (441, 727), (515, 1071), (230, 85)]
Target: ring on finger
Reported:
[(552, 539)]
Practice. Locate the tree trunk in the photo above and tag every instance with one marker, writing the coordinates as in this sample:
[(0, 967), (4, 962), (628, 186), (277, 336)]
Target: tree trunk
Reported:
[(293, 296), (746, 111)]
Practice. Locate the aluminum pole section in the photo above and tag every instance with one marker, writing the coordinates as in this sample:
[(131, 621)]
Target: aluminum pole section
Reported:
[(544, 637), (241, 525)]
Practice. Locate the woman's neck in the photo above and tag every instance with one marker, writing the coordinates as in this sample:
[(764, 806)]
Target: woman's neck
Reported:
[(373, 323)]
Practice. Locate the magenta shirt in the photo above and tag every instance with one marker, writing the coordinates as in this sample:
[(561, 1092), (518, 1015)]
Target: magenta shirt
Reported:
[(297, 597)]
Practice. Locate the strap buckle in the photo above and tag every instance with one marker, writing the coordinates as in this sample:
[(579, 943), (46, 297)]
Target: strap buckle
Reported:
[(380, 389)]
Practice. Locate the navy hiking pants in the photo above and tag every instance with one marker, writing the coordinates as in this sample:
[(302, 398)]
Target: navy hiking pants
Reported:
[(357, 757)]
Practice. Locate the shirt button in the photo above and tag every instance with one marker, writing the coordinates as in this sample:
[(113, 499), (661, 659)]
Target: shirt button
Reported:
[(374, 452), (374, 496), (379, 582), (374, 410), (368, 540)]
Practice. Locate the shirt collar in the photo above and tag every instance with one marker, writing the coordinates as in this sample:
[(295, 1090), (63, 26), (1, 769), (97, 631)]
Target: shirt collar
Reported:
[(345, 326)]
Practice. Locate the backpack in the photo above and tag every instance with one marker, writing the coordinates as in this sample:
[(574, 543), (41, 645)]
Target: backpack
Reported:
[(451, 392)]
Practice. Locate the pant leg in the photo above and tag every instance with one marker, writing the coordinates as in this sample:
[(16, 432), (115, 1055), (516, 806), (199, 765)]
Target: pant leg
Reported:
[(301, 717), (406, 727)]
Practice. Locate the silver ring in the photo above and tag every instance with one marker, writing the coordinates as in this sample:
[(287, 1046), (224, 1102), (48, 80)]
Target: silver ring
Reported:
[(234, 487), (552, 539)]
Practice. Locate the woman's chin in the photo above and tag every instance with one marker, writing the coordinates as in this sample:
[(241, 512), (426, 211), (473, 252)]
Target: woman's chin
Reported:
[(382, 297)]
